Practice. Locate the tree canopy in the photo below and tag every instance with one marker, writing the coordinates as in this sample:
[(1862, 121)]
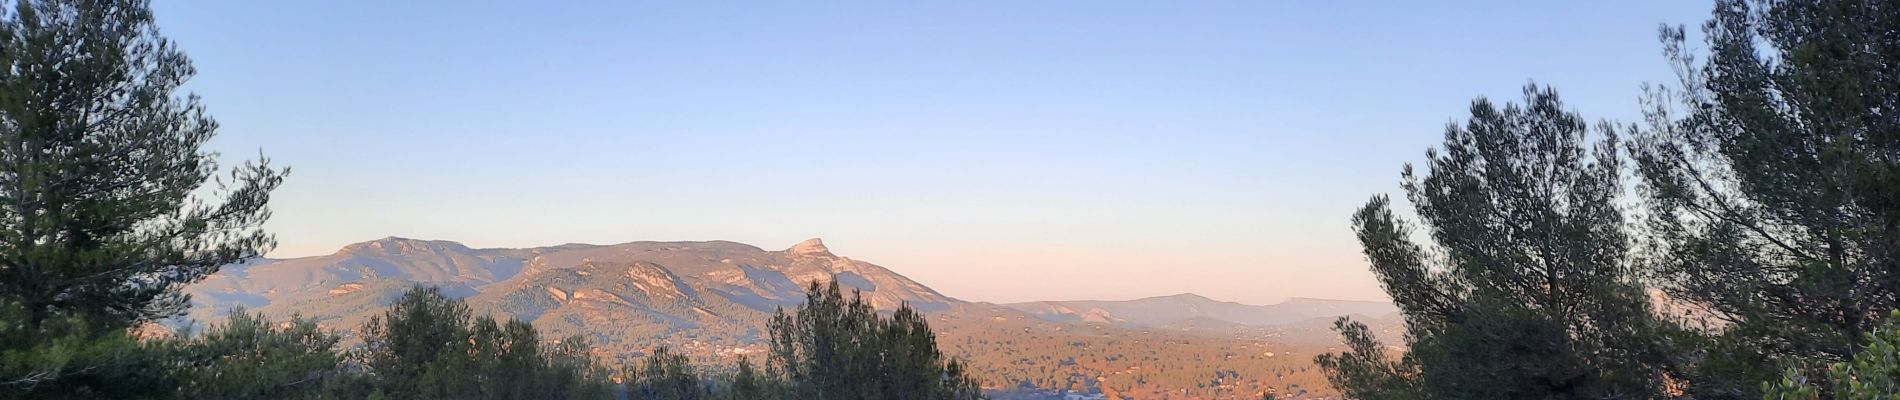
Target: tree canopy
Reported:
[(1771, 186), (834, 347), (1766, 213), (109, 202), (1525, 289)]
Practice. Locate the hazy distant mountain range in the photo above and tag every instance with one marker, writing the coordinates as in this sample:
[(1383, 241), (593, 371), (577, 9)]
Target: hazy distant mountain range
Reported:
[(1188, 308), (719, 290), (680, 285), (712, 299)]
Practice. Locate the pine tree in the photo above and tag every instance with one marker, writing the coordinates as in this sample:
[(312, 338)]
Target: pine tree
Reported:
[(419, 345), (245, 357), (573, 373), (666, 376), (426, 346), (1524, 290), (100, 160), (78, 364), (746, 382), (109, 203), (1772, 183), (839, 348), (1873, 373)]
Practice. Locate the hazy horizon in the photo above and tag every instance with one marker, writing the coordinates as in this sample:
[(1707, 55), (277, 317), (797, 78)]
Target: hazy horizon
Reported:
[(827, 245), (996, 151)]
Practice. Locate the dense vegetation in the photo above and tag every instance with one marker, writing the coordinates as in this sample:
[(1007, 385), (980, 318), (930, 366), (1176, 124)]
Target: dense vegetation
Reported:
[(106, 209), (427, 346), (838, 348), (1766, 213), (1529, 288), (832, 347), (1874, 373)]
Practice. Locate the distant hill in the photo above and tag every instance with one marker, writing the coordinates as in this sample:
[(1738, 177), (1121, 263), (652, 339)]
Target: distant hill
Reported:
[(712, 300), (1190, 310), (663, 287)]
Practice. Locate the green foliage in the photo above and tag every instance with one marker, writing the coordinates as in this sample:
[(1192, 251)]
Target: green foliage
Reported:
[(1874, 373), (419, 346), (748, 383), (104, 208), (1772, 191), (247, 358), (1524, 290), (242, 358), (1365, 371), (666, 376), (571, 365), (427, 347), (78, 364), (830, 348), (838, 348)]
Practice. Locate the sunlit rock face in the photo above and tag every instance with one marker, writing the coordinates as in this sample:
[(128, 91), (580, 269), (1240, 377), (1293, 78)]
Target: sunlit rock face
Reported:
[(714, 289)]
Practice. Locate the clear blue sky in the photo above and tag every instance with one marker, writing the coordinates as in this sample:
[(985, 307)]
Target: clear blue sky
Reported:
[(995, 150)]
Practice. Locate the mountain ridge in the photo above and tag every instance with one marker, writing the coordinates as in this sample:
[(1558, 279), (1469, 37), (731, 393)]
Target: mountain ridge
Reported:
[(1184, 308), (391, 262), (341, 286), (712, 300)]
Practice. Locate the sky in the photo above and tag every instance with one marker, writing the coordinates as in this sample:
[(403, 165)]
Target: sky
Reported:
[(994, 150)]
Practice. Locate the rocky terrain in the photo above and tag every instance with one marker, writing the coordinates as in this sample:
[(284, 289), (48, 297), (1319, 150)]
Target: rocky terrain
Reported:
[(712, 299)]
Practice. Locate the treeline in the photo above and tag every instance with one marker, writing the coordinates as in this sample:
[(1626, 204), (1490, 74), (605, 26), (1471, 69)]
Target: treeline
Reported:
[(425, 346), (428, 346), (110, 204), (1744, 243)]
